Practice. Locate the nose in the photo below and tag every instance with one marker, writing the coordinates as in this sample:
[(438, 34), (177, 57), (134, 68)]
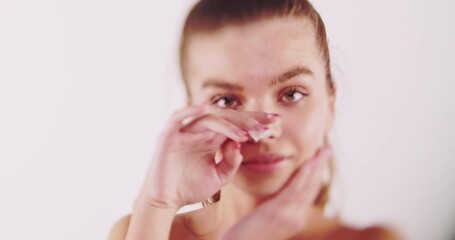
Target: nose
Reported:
[(273, 131), (275, 126)]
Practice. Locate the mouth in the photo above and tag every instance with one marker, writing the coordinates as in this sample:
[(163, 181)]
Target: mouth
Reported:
[(265, 163)]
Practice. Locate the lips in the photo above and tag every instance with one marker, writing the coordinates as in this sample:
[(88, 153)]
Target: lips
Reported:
[(265, 163)]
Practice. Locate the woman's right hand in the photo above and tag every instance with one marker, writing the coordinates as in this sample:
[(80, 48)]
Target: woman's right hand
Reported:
[(183, 168)]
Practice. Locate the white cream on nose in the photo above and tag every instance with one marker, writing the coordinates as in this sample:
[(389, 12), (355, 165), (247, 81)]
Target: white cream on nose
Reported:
[(259, 135)]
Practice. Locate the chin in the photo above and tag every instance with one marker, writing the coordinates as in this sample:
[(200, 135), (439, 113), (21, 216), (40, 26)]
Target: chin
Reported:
[(260, 185)]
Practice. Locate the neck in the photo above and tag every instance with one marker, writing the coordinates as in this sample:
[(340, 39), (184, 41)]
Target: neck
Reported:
[(241, 203), (238, 204), (233, 205)]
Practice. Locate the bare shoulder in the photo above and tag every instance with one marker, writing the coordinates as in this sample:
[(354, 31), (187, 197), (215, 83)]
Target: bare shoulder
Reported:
[(378, 233), (120, 228), (370, 233)]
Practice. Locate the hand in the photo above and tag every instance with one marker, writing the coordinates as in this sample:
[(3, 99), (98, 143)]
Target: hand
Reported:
[(183, 170), (283, 215)]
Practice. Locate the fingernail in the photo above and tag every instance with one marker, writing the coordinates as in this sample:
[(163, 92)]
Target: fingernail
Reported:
[(242, 134)]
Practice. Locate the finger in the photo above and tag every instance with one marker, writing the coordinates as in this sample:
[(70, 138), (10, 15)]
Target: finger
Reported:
[(259, 125), (320, 158), (313, 183), (230, 162), (308, 172), (263, 117), (216, 124), (297, 180), (207, 141), (197, 138), (215, 143), (180, 116), (244, 120)]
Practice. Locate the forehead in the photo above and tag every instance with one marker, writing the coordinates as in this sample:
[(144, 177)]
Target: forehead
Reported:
[(253, 52)]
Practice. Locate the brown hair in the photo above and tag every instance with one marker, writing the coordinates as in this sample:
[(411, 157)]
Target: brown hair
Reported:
[(211, 15), (208, 16)]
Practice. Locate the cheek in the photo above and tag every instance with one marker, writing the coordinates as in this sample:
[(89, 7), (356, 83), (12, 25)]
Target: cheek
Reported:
[(306, 128)]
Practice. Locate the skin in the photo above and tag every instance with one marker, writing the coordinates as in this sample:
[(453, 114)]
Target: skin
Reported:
[(251, 57), (244, 73)]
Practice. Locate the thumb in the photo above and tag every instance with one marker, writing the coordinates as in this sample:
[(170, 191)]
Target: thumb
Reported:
[(230, 162)]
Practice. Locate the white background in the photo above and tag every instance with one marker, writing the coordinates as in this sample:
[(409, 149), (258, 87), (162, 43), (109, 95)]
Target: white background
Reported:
[(86, 85)]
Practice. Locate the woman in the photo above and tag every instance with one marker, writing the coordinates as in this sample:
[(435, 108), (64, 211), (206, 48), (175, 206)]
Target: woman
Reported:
[(261, 96)]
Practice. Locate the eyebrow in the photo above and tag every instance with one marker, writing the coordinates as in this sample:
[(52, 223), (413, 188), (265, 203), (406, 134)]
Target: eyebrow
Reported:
[(289, 74), (283, 77), (222, 84)]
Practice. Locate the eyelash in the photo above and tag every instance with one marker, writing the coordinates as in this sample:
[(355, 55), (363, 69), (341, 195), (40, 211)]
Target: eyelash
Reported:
[(293, 90), (217, 98), (231, 97)]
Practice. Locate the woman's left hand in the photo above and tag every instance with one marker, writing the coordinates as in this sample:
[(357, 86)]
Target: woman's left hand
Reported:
[(283, 215)]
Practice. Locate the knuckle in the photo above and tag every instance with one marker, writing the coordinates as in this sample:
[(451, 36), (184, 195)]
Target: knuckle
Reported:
[(175, 117), (178, 112)]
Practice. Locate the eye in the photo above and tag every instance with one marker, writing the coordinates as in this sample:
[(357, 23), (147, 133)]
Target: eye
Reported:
[(291, 95), (226, 101)]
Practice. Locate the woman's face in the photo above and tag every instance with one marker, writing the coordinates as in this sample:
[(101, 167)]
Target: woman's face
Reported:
[(273, 66)]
